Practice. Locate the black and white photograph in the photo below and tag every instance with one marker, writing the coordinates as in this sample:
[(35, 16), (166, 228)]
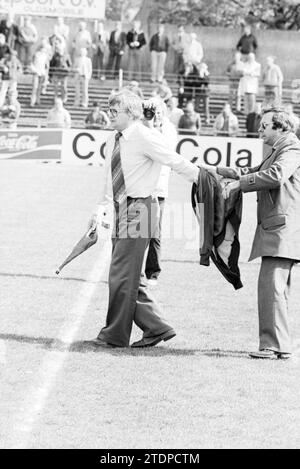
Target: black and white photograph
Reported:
[(149, 227)]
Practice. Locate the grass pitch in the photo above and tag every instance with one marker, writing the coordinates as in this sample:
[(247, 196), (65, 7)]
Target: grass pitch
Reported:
[(200, 390)]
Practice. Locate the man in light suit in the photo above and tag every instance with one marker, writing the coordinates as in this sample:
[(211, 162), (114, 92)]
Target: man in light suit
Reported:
[(133, 162), (277, 237)]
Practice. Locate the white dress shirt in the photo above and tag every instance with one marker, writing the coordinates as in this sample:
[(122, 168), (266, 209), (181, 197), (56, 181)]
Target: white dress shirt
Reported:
[(143, 152), (169, 132)]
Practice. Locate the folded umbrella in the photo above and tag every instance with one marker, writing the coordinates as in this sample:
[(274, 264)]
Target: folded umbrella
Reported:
[(89, 239)]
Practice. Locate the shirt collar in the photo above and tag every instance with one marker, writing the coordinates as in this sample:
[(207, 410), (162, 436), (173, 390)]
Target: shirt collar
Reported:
[(126, 133)]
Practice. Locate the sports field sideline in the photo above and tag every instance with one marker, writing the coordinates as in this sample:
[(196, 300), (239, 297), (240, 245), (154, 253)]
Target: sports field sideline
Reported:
[(200, 390)]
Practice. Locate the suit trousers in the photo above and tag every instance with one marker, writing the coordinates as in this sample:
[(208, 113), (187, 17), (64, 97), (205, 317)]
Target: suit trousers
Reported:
[(129, 299), (274, 284), (134, 64)]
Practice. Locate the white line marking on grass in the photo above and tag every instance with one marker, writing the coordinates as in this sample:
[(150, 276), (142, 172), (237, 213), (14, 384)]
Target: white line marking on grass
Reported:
[(27, 419)]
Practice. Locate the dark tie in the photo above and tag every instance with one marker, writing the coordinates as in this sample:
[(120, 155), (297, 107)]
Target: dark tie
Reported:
[(118, 181)]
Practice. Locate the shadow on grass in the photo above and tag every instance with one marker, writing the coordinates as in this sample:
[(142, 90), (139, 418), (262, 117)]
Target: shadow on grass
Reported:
[(48, 277), (86, 346)]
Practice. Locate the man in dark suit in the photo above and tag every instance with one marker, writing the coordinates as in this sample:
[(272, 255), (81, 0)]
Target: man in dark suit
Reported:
[(277, 237), (117, 44), (135, 41)]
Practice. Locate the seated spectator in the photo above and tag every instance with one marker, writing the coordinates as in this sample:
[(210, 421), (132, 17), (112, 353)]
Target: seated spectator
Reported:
[(248, 86), (235, 72), (11, 112), (4, 47), (11, 69), (247, 43), (134, 86), (163, 91), (10, 29), (174, 113), (83, 73), (272, 80), (58, 117), (253, 121), (97, 119), (289, 109), (40, 69), (100, 40), (194, 51), (226, 123), (27, 39), (60, 67), (190, 122)]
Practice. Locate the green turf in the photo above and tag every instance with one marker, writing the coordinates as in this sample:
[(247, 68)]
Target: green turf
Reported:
[(200, 390)]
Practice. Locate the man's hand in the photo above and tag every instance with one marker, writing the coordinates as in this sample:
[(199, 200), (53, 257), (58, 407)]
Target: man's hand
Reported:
[(231, 186), (229, 173)]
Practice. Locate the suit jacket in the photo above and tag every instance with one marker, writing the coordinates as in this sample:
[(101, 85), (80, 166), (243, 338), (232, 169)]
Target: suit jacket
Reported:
[(116, 47), (277, 182), (133, 36), (219, 222)]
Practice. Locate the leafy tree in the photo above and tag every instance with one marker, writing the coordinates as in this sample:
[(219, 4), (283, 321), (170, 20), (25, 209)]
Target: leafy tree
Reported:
[(274, 14)]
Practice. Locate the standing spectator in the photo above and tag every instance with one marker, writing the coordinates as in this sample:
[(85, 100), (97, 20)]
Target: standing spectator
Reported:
[(40, 69), (188, 84), (174, 113), (202, 90), (61, 29), (226, 123), (84, 70), (11, 69), (247, 43), (162, 124), (159, 46), (289, 109), (60, 67), (117, 44), (58, 116), (27, 39), (4, 47), (253, 121), (82, 40), (190, 122), (99, 46), (10, 30), (180, 46), (235, 72), (11, 112), (135, 40), (272, 80), (194, 51), (97, 119), (248, 86)]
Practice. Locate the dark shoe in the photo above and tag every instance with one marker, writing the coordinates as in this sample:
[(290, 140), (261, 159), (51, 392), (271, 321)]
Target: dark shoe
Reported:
[(284, 356), (100, 343), (151, 341), (265, 353)]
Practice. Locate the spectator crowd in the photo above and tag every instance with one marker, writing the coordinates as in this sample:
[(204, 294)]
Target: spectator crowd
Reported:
[(56, 58)]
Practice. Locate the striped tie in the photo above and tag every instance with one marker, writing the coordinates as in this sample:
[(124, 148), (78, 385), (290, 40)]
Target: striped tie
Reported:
[(118, 182)]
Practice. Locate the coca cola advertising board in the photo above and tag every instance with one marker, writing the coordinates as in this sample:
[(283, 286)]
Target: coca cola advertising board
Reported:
[(30, 144)]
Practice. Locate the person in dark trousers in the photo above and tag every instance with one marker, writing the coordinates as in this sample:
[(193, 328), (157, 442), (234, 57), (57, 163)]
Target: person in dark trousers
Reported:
[(134, 156), (247, 42), (253, 122), (117, 44), (136, 41)]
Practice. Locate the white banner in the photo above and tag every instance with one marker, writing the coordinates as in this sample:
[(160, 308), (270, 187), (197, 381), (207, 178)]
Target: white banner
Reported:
[(88, 146), (87, 9), (82, 147), (221, 151)]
